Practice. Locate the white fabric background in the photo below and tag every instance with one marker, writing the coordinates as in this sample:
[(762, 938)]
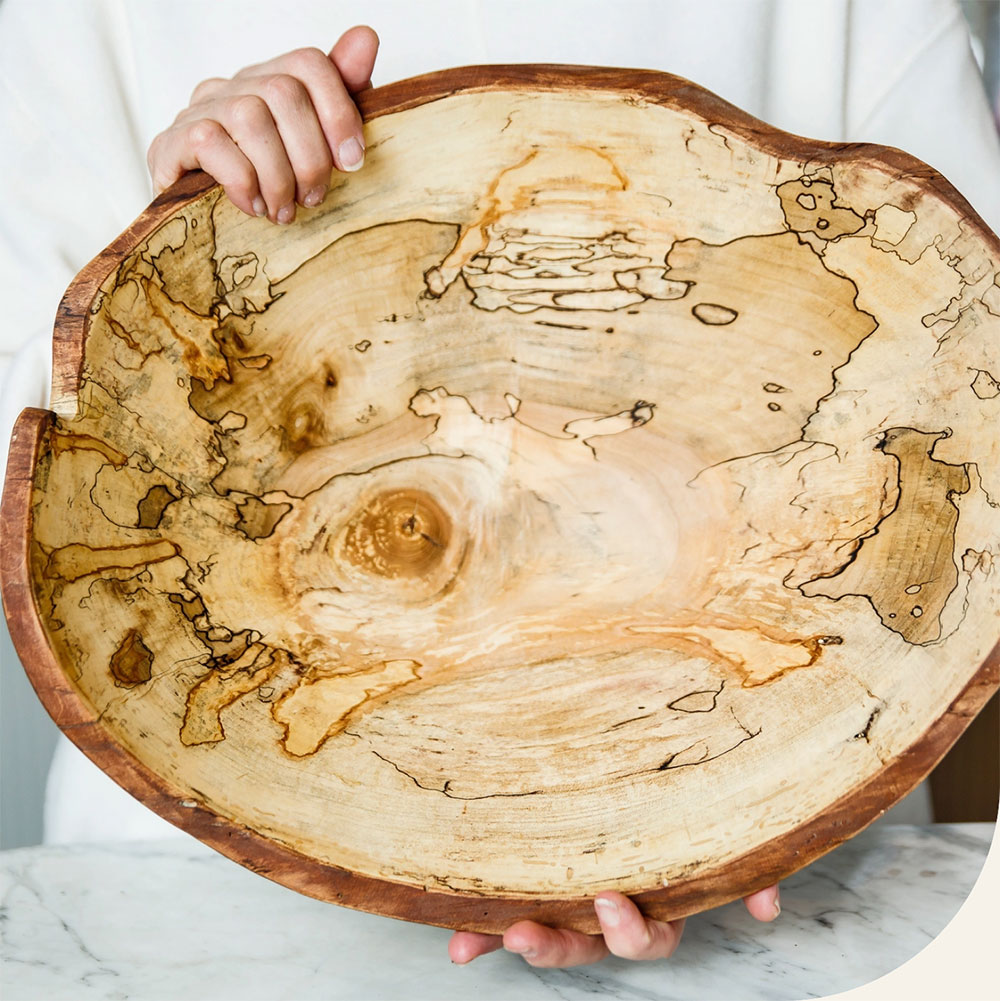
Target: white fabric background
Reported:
[(84, 87)]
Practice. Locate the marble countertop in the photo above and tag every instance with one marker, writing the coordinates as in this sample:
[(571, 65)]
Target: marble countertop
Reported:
[(172, 919)]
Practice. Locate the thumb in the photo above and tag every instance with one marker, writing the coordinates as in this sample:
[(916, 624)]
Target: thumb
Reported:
[(354, 56)]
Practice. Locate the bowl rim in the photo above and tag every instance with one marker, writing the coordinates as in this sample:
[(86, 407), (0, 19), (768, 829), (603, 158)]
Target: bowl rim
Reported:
[(770, 862)]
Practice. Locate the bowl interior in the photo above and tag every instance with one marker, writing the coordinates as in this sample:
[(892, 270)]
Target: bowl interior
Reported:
[(585, 496)]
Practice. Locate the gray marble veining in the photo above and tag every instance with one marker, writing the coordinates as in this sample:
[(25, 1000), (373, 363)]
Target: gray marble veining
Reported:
[(165, 920)]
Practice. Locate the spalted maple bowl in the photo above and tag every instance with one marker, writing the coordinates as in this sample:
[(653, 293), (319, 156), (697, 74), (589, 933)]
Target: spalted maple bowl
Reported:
[(599, 490)]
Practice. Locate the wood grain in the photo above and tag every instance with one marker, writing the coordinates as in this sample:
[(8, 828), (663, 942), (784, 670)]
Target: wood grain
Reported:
[(600, 496)]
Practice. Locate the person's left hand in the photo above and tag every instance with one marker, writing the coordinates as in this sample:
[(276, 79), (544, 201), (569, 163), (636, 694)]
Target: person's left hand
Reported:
[(625, 933)]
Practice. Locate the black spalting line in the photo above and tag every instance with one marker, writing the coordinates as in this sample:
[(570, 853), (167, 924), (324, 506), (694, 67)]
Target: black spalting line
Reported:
[(714, 692), (667, 766), (625, 722), (863, 733), (444, 790)]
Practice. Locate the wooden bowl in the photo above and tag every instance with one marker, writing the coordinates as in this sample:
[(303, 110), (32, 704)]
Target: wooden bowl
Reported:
[(599, 490)]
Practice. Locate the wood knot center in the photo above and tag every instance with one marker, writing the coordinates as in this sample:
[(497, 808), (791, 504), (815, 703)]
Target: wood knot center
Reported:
[(400, 533)]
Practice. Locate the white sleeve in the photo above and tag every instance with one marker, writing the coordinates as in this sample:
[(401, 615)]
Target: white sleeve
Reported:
[(893, 72), (913, 83), (72, 169)]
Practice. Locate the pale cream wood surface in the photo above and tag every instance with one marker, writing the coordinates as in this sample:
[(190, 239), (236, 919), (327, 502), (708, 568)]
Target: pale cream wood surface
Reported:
[(582, 497)]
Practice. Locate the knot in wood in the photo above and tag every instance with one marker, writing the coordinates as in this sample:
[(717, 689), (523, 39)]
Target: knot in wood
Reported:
[(400, 533)]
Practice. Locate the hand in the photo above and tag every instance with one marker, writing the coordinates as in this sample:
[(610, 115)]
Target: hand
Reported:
[(626, 933), (273, 133)]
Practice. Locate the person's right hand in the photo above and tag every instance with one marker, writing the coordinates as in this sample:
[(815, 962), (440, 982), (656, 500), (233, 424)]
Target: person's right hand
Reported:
[(273, 133)]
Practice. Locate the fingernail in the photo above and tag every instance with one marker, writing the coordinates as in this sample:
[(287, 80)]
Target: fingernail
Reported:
[(286, 213), (259, 207), (777, 907), (351, 154), (607, 911), (314, 197)]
